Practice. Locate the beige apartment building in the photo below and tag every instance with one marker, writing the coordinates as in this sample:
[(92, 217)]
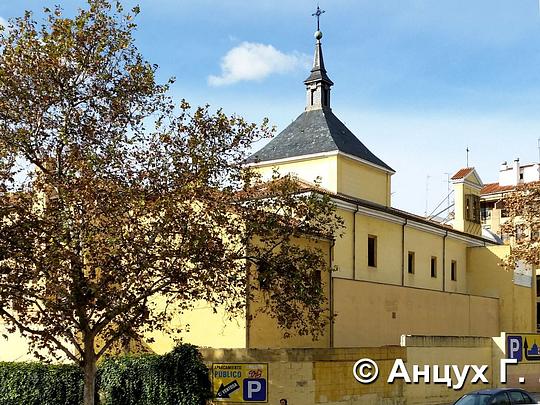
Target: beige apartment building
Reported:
[(493, 214)]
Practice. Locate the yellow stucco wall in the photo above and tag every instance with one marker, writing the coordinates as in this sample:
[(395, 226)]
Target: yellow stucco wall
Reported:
[(313, 376), (456, 250), (263, 330), (487, 277), (339, 174), (460, 223), (343, 257), (363, 181), (14, 348), (319, 376), (203, 327), (394, 242), (388, 269), (308, 170), (354, 264), (370, 314), (433, 351), (206, 329), (424, 246)]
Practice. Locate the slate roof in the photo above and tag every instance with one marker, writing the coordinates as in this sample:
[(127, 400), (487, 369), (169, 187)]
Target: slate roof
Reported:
[(318, 73), (315, 131)]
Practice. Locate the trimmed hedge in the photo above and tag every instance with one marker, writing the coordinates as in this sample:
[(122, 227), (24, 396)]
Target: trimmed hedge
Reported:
[(40, 384), (179, 377)]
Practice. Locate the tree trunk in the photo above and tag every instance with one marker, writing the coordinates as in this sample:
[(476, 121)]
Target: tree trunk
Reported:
[(89, 371)]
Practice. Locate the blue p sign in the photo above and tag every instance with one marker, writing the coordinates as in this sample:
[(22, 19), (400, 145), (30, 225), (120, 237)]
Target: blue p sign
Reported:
[(254, 389), (515, 347)]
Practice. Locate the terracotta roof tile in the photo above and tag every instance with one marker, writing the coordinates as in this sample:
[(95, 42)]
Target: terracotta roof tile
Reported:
[(462, 173), (493, 188)]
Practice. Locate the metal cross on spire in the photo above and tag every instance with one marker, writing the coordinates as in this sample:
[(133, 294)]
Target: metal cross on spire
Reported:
[(318, 15)]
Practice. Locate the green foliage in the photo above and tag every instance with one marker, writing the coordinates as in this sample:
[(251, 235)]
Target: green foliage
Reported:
[(39, 384), (177, 378)]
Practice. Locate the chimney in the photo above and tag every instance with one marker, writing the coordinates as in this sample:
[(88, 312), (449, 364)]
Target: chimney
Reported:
[(515, 172)]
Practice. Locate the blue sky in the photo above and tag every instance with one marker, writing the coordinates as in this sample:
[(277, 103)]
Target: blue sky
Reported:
[(416, 80)]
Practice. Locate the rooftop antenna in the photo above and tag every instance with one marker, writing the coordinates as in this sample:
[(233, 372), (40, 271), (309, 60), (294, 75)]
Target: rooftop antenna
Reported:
[(448, 187), (538, 138), (318, 14), (427, 193), (468, 150)]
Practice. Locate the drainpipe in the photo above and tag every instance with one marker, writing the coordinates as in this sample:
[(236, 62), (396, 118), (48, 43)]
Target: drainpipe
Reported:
[(354, 243), (444, 263), (403, 252), (247, 292), (331, 293)]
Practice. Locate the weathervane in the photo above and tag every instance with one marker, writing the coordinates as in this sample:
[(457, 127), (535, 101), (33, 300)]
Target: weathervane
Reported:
[(318, 15)]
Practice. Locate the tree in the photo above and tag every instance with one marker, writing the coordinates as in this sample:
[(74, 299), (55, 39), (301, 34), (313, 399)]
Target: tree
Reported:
[(100, 215), (522, 227)]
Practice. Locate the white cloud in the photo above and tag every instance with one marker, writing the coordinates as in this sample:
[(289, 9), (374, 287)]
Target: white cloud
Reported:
[(252, 61)]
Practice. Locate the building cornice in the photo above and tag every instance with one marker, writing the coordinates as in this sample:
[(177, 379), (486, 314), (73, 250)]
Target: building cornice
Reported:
[(321, 155), (399, 218), (469, 183), (366, 162), (293, 159)]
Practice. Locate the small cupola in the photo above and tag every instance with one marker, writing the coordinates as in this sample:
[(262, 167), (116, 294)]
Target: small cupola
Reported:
[(318, 83)]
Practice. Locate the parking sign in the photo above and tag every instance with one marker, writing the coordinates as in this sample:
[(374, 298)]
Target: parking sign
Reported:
[(240, 382)]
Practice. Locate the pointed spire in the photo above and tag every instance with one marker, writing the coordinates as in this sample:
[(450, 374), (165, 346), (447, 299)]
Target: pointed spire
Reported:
[(318, 83), (318, 72)]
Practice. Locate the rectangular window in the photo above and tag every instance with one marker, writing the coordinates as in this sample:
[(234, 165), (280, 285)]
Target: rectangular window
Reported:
[(472, 208), (453, 271), (433, 266), (410, 263), (485, 213), (372, 251), (317, 278)]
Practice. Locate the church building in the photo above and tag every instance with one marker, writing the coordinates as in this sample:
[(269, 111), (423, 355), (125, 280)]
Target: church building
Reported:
[(397, 273)]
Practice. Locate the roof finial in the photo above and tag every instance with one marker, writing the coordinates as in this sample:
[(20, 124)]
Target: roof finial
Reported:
[(318, 14)]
